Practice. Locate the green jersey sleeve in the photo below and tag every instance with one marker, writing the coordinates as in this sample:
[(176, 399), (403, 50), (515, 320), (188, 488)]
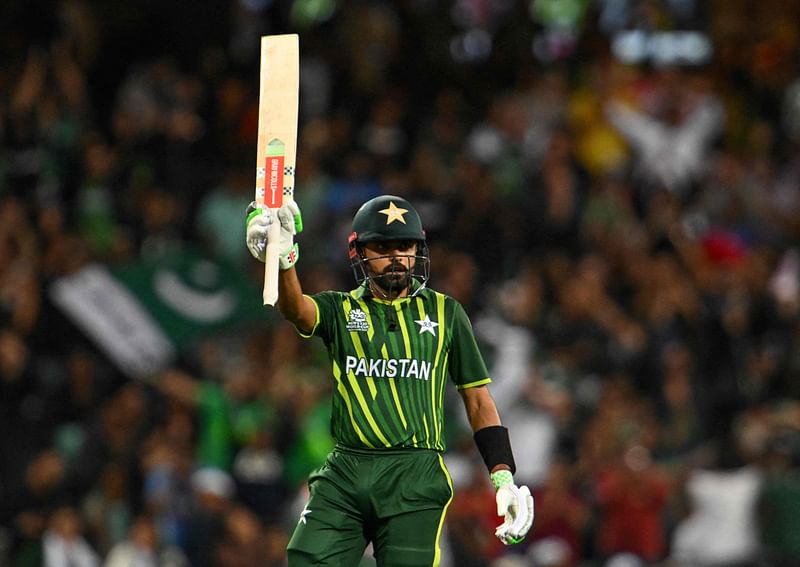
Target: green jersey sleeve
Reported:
[(324, 326), (467, 367)]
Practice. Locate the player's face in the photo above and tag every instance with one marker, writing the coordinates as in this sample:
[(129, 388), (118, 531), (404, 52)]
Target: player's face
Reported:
[(391, 263)]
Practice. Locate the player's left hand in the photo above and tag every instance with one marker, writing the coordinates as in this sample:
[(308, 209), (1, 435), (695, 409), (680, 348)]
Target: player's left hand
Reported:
[(515, 505)]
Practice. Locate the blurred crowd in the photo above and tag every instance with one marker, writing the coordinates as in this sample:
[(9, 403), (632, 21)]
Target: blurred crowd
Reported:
[(625, 238)]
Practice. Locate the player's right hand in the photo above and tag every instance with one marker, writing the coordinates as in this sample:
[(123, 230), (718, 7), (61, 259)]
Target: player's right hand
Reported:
[(259, 219)]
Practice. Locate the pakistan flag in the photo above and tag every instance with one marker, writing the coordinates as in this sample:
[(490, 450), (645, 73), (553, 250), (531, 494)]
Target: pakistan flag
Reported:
[(143, 314)]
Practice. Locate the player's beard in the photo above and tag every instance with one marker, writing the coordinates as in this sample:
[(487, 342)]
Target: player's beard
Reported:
[(393, 280)]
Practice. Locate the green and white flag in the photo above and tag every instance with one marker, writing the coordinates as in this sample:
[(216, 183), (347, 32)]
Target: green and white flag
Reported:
[(143, 314)]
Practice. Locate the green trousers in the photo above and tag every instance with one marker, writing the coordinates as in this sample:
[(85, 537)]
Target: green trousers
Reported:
[(396, 499)]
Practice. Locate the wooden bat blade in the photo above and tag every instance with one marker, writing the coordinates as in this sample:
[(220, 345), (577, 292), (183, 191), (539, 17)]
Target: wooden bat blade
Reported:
[(277, 139)]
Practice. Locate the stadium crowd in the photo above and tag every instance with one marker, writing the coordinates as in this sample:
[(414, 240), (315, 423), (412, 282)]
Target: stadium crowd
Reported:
[(624, 237)]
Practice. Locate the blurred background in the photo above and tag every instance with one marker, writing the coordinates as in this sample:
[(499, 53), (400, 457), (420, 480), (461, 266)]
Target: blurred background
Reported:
[(610, 187)]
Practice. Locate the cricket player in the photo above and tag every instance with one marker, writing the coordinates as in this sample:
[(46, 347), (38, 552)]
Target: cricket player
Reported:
[(393, 344)]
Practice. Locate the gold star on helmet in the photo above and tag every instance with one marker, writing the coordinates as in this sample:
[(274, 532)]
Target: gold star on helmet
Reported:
[(394, 213)]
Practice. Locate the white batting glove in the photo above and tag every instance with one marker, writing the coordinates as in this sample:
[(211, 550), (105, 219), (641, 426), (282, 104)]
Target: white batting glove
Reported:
[(515, 505), (258, 222)]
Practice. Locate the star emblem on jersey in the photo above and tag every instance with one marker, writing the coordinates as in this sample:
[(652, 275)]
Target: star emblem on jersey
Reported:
[(304, 513), (394, 213), (427, 326)]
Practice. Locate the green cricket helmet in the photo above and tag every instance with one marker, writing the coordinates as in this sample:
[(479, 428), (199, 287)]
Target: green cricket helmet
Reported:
[(385, 218)]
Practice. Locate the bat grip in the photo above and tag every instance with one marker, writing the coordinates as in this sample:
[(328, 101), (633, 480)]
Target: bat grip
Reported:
[(270, 294)]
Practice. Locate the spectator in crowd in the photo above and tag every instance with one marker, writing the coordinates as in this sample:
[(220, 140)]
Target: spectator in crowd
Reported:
[(562, 520), (722, 526), (142, 547), (63, 544)]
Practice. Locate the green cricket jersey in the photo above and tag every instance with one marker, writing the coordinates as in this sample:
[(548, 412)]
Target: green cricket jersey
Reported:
[(391, 361)]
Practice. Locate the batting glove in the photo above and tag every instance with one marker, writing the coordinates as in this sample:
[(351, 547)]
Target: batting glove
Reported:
[(258, 222), (515, 505)]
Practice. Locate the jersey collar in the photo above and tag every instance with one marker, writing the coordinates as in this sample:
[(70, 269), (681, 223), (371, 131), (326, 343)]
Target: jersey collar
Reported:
[(364, 292)]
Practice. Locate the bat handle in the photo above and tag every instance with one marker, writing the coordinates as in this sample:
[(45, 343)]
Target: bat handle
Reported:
[(270, 295)]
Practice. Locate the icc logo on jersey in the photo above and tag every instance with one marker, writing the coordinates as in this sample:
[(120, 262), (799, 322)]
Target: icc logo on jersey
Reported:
[(357, 321)]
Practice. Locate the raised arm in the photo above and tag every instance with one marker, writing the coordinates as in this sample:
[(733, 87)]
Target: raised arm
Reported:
[(296, 307)]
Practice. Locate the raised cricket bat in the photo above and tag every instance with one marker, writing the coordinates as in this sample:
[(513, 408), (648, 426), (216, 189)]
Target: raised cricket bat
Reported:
[(277, 139)]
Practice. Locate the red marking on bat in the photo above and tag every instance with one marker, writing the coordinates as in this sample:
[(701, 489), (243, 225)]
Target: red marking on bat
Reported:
[(273, 191)]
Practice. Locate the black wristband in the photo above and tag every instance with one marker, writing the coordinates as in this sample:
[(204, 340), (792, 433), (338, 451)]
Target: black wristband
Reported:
[(495, 447)]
